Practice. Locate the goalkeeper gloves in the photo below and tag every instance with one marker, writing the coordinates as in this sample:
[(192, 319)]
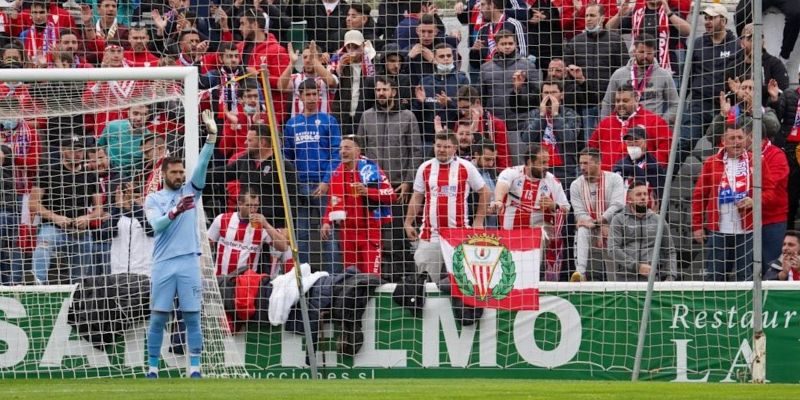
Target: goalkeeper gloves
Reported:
[(186, 203), (211, 126)]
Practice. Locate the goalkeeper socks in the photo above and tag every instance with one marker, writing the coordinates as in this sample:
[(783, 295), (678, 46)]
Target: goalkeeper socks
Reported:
[(194, 335), (155, 336)]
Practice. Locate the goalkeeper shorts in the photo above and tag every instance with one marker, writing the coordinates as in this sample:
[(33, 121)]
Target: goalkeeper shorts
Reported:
[(177, 276)]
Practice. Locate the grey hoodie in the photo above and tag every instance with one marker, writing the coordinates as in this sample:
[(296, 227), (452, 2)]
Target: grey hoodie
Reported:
[(393, 140), (631, 241)]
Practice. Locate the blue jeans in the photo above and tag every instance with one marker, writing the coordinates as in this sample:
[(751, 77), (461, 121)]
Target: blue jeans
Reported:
[(698, 115), (590, 117), (727, 253), (76, 245), (10, 256), (772, 242), (313, 209)]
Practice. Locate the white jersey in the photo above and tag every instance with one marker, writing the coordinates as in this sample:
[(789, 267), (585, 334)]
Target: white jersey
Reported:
[(522, 204), (238, 242), (446, 187), (325, 93)]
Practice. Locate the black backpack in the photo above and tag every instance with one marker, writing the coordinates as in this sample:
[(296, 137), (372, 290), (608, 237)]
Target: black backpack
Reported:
[(410, 293)]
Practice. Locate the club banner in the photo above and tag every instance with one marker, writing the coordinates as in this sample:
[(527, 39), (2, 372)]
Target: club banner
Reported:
[(494, 268)]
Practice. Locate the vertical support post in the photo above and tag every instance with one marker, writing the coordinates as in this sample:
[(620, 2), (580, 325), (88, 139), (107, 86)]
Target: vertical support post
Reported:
[(759, 367)]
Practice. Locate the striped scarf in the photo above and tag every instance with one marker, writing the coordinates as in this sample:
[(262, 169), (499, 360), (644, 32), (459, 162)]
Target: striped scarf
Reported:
[(663, 34), (595, 210)]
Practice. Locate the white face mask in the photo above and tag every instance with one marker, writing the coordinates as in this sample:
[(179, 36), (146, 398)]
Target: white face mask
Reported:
[(635, 152), (594, 29), (445, 68), (250, 110)]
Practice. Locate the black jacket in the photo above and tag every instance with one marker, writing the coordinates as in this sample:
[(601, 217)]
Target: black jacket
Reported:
[(711, 64), (599, 55), (322, 27)]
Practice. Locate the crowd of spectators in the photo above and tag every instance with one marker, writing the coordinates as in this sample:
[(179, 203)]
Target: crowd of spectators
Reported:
[(560, 115)]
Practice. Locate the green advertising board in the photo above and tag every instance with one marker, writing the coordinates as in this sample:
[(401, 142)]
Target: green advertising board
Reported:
[(699, 332)]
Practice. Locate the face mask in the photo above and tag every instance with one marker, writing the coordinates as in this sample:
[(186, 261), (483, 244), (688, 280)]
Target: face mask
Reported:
[(635, 152), (593, 30), (250, 110), (445, 68), (640, 208), (9, 124)]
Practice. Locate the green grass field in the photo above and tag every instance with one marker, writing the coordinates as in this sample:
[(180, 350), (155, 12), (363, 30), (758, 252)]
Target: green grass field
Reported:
[(484, 389)]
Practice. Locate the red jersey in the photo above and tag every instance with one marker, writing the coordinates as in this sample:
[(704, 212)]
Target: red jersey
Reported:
[(141, 59), (276, 58), (446, 187), (607, 137), (355, 206)]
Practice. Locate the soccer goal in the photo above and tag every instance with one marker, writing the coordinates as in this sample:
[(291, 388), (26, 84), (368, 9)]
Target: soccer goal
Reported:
[(87, 146)]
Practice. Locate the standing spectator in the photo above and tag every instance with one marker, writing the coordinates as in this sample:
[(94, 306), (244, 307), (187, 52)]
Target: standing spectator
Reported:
[(627, 114), (324, 20), (631, 240), (138, 53), (193, 51), (123, 139), (441, 188), (497, 80), (392, 64), (791, 25), (772, 67), (256, 168), (596, 196), (657, 19), (154, 150), (545, 36), (176, 270), (68, 41), (576, 17), (105, 28), (408, 34), (420, 54), (722, 204), (574, 92), (640, 165), (484, 157), (528, 195), (436, 93), (556, 129), (228, 89), (592, 57), (712, 62), (789, 138), (132, 240), (484, 123), (310, 141), (262, 49), (360, 199), (353, 66), (495, 20), (359, 19), (392, 139), (787, 266), (289, 82), (653, 84), (245, 111), (40, 39), (240, 235), (11, 267), (61, 197), (742, 91)]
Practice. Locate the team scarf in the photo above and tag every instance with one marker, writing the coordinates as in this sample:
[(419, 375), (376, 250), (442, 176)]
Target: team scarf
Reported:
[(19, 140), (550, 142), (663, 34), (154, 180), (492, 30), (640, 83), (625, 122), (595, 210), (229, 86), (371, 176), (112, 30), (41, 44), (735, 187), (794, 135)]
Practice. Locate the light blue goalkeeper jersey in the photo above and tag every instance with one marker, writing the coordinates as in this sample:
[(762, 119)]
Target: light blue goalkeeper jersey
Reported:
[(179, 236)]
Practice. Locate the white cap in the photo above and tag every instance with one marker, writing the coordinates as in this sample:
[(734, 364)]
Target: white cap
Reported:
[(717, 10), (6, 4), (354, 37)]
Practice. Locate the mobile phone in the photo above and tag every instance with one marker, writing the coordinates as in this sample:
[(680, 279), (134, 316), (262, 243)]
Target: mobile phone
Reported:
[(731, 98)]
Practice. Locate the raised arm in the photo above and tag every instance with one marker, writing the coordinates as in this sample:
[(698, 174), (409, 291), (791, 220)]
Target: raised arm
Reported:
[(198, 181)]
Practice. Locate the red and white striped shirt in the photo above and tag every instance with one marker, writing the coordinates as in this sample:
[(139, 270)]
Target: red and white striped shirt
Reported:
[(522, 203), (446, 187), (325, 93), (238, 242)]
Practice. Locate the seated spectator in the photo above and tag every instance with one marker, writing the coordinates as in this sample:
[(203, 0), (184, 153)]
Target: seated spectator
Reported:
[(596, 196), (11, 262), (246, 110), (663, 20), (484, 123), (641, 166), (631, 240), (592, 56), (495, 20), (359, 203), (484, 158), (313, 68), (61, 197), (353, 66), (132, 241), (105, 28), (138, 53), (627, 114), (556, 128), (787, 266), (241, 235), (773, 68), (436, 93), (722, 203), (497, 85), (740, 102), (123, 139), (654, 85), (310, 142)]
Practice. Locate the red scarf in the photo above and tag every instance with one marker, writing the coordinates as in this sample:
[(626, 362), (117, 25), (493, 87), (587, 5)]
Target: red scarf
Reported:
[(794, 135), (640, 84), (741, 180), (41, 43), (596, 211), (663, 34), (626, 122), (492, 31)]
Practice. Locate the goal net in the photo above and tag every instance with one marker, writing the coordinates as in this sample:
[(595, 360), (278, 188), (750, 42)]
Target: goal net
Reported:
[(486, 184)]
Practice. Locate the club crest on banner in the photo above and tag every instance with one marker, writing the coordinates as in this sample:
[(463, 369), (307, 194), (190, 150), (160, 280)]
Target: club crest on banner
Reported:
[(475, 263)]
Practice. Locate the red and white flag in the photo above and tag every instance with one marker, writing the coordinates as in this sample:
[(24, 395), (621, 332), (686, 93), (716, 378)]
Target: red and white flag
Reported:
[(494, 268)]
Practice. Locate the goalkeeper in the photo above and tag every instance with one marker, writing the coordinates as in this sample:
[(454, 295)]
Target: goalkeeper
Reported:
[(176, 267)]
